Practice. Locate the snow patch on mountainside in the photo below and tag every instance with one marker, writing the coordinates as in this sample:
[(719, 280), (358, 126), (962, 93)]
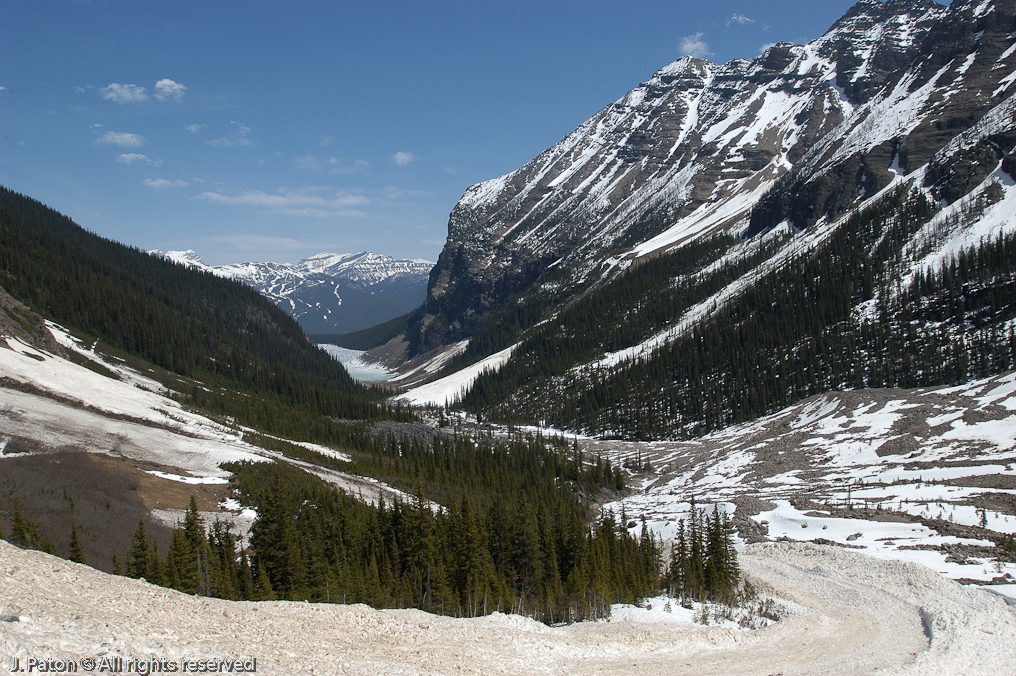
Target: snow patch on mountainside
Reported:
[(927, 475), (954, 228), (448, 389)]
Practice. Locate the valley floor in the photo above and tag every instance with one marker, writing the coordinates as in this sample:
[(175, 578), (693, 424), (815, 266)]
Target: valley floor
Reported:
[(893, 478), (852, 615)]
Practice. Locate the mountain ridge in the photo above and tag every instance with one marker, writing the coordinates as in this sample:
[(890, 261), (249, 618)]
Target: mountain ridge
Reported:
[(696, 142), (781, 161), (329, 292)]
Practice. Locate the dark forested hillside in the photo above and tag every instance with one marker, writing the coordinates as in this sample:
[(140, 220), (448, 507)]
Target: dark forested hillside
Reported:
[(188, 322), (793, 333)]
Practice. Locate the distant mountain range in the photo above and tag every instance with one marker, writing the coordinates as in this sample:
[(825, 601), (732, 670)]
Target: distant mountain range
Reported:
[(329, 292)]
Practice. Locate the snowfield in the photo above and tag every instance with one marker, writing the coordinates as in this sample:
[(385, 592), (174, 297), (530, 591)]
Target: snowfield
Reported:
[(926, 475), (61, 405), (853, 615)]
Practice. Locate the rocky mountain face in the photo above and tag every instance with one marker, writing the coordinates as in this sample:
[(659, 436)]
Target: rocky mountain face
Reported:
[(801, 134), (329, 292)]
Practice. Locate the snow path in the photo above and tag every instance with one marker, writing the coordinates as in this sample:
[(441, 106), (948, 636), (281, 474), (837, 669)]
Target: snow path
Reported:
[(863, 616)]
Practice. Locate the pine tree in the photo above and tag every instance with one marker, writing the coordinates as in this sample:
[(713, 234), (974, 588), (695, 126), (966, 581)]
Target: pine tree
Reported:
[(140, 555), (181, 567), (263, 590), (77, 554), (194, 531), (275, 540)]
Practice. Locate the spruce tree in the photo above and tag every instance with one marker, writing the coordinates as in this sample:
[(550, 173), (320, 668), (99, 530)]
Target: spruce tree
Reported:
[(77, 554), (139, 556)]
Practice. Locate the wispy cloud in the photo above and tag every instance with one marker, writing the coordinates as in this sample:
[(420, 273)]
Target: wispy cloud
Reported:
[(2, 88), (393, 193), (331, 165), (739, 19), (259, 242), (162, 184), (695, 45), (166, 89), (236, 139), (122, 139), (303, 202), (123, 93), (131, 158), (194, 128), (403, 159), (766, 46)]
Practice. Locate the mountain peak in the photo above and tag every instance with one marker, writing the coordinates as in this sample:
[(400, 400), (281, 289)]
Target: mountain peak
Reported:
[(188, 258), (882, 10)]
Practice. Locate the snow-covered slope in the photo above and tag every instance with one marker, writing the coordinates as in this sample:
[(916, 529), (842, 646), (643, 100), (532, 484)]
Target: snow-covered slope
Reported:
[(800, 135), (923, 475), (48, 403), (329, 292)]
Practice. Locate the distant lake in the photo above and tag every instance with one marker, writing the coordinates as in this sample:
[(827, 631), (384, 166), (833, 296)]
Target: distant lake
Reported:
[(359, 370)]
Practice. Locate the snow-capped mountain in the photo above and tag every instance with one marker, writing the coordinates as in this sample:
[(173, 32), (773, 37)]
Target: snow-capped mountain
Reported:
[(329, 292), (724, 240), (695, 149)]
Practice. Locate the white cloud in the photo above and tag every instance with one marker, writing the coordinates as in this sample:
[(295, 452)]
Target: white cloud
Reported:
[(131, 158), (259, 242), (739, 19), (236, 139), (303, 202), (166, 89), (117, 138), (394, 193), (194, 128), (694, 45), (161, 183), (331, 165), (2, 88), (123, 93), (403, 159), (763, 48)]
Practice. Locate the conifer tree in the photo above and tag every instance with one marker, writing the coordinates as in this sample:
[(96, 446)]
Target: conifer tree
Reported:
[(275, 540), (142, 559), (77, 554)]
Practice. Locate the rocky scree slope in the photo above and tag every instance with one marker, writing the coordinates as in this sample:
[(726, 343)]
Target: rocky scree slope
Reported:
[(329, 292)]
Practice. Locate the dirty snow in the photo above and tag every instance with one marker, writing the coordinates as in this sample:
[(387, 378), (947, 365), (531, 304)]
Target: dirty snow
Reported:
[(855, 615)]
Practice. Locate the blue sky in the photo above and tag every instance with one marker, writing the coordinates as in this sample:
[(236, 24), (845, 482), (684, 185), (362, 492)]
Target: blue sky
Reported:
[(268, 130)]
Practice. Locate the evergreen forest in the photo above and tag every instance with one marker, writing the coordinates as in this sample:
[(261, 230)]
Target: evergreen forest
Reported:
[(531, 556), (253, 361), (796, 331)]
